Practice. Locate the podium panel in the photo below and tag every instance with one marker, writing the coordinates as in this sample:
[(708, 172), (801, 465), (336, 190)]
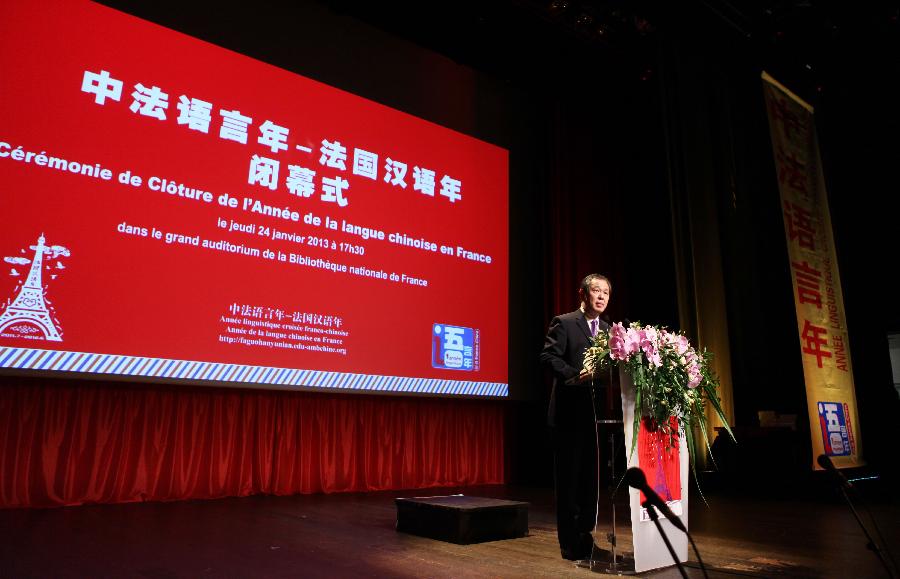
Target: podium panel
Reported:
[(667, 468)]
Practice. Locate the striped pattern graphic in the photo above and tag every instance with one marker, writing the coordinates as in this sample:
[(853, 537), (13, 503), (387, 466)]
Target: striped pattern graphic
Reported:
[(61, 361)]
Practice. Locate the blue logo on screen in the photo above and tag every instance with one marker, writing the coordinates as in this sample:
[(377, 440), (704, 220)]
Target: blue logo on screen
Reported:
[(834, 428), (454, 347)]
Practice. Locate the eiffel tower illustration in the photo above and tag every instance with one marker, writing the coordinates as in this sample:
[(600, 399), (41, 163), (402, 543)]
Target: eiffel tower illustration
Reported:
[(29, 306)]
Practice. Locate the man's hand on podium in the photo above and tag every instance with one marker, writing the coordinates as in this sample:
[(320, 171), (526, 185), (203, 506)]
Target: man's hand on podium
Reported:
[(585, 376)]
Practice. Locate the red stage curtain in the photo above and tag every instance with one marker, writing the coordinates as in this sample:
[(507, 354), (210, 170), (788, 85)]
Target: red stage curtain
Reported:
[(69, 443)]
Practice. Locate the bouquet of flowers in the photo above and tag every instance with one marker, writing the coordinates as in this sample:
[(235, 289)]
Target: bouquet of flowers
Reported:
[(671, 379)]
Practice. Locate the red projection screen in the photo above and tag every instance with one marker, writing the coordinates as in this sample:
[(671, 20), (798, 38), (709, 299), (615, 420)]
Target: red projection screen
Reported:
[(174, 211)]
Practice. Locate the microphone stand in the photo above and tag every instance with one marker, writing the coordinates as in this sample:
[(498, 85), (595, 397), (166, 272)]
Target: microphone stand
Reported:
[(871, 545), (618, 564), (589, 562), (651, 510)]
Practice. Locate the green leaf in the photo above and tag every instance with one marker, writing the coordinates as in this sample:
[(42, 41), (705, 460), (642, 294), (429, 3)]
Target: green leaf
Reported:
[(706, 440), (714, 400), (692, 451), (638, 410)]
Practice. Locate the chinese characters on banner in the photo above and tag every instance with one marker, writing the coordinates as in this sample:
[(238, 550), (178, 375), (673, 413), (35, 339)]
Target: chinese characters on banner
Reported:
[(824, 343), (264, 171)]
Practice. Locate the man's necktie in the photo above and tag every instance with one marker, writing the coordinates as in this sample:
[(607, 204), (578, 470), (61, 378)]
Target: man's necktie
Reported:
[(594, 327)]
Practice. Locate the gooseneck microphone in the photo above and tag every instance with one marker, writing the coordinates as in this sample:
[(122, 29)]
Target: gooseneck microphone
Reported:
[(825, 462), (636, 479)]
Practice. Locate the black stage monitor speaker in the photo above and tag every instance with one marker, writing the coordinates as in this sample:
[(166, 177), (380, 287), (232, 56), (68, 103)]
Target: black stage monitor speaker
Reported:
[(461, 519)]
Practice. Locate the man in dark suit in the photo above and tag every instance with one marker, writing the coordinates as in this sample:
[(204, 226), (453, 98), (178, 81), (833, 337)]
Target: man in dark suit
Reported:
[(572, 419)]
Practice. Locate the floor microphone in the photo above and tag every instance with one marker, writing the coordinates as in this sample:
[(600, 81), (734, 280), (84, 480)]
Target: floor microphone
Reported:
[(636, 478)]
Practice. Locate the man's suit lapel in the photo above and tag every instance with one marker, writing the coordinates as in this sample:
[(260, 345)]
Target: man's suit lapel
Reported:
[(582, 323)]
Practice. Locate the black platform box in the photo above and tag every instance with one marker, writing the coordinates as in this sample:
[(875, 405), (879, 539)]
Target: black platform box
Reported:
[(461, 519)]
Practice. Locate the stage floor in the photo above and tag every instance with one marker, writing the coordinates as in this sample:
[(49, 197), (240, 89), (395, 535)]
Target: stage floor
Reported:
[(352, 535)]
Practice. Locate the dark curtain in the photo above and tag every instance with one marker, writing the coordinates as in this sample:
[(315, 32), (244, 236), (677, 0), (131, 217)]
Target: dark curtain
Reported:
[(72, 443)]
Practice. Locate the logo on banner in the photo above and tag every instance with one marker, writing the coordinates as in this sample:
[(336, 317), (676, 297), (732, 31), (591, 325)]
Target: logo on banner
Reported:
[(454, 347), (30, 315), (835, 433)]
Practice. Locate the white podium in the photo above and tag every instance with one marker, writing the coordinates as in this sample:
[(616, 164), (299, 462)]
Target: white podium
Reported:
[(668, 475)]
